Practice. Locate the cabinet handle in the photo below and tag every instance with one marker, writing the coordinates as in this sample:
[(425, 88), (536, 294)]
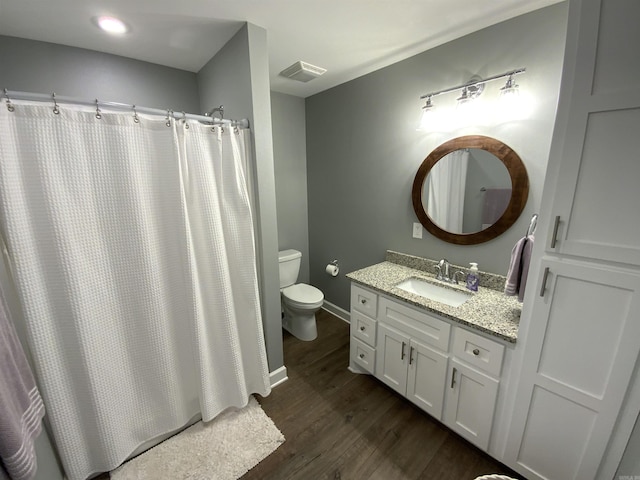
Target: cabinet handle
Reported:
[(361, 355), (453, 377), (554, 235), (410, 355), (362, 328), (543, 287), (402, 353), (476, 351), (363, 301)]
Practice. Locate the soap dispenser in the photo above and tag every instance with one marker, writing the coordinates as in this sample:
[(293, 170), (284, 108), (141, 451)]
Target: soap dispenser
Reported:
[(473, 278)]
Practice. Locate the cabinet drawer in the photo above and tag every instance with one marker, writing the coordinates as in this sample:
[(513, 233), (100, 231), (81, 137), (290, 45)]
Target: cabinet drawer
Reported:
[(478, 351), (363, 355), (364, 301), (363, 328), (418, 325)]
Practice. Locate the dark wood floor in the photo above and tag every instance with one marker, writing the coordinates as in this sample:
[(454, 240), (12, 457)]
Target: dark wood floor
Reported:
[(339, 425)]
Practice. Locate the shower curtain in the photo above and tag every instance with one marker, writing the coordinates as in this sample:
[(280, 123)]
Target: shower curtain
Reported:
[(132, 250), (447, 181)]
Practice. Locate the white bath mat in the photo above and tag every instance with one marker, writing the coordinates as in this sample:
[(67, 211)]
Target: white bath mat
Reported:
[(223, 449)]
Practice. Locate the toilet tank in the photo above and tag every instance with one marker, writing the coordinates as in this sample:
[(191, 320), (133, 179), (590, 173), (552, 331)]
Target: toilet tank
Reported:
[(289, 266)]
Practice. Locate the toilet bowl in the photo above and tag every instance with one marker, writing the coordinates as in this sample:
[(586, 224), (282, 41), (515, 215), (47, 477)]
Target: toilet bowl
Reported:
[(300, 301)]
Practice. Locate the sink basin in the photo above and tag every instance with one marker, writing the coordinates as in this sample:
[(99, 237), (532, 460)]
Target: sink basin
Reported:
[(437, 293)]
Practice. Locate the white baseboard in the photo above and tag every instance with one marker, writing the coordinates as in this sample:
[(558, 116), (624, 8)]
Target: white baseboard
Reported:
[(341, 313), (278, 376)]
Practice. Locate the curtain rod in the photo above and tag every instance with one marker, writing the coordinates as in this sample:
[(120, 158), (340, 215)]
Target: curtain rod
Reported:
[(55, 99), (474, 82)]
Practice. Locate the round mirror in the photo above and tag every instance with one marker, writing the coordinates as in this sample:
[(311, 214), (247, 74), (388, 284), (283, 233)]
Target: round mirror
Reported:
[(470, 190)]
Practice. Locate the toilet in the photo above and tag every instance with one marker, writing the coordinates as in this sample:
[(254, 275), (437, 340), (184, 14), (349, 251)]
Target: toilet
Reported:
[(300, 301)]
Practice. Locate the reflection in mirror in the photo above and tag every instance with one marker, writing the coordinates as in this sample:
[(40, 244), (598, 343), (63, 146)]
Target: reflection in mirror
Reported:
[(467, 191), (477, 175)]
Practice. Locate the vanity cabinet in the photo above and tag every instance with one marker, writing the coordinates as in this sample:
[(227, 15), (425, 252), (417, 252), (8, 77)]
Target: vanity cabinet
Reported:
[(411, 351)]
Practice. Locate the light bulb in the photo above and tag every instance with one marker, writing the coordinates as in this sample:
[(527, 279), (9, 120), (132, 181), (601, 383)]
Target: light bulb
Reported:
[(111, 25), (427, 120)]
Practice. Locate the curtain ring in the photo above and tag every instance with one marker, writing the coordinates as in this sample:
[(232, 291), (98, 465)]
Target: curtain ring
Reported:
[(136, 119), (98, 113), (221, 129), (236, 130), (56, 110), (10, 106), (184, 119), (168, 122), (213, 129)]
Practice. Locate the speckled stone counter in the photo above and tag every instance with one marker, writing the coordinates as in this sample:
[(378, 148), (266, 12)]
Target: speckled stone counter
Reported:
[(489, 310)]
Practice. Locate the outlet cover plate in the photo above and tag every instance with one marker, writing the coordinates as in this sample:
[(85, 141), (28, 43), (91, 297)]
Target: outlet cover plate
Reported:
[(417, 230)]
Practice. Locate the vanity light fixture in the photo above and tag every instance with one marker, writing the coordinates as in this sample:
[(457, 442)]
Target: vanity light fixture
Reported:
[(464, 96), (112, 25), (510, 88), (471, 90), (427, 118)]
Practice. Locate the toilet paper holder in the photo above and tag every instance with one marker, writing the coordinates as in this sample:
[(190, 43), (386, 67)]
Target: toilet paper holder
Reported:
[(332, 268)]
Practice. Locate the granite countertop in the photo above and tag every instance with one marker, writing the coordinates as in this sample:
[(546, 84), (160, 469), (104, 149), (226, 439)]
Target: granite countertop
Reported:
[(489, 310)]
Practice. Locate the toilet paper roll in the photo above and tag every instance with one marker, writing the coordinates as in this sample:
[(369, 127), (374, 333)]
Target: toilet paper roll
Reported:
[(332, 270)]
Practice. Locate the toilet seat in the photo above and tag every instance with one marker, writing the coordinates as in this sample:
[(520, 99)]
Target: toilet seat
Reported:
[(303, 295)]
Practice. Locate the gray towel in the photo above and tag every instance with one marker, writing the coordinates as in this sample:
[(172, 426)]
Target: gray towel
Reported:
[(495, 203), (21, 407), (519, 267)]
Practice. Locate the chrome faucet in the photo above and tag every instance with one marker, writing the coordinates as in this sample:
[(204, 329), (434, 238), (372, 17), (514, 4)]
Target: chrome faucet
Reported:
[(443, 270), (454, 278)]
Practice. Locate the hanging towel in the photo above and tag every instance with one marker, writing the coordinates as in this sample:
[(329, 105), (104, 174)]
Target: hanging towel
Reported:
[(21, 407), (519, 267)]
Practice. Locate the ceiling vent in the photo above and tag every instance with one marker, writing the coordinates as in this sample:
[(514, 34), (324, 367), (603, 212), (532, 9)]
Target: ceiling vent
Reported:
[(302, 71)]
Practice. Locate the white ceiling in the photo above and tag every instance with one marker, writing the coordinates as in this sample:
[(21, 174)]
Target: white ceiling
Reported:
[(347, 37)]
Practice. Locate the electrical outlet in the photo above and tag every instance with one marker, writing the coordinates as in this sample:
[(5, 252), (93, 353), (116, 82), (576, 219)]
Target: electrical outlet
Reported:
[(417, 230)]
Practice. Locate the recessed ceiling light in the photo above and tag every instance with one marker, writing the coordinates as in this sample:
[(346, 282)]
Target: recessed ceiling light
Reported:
[(111, 25)]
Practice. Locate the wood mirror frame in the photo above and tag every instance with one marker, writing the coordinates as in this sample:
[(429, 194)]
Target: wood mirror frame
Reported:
[(519, 188)]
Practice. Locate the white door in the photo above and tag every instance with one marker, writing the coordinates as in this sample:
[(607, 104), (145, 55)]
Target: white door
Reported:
[(392, 358), (572, 388), (427, 378), (597, 191), (470, 404)]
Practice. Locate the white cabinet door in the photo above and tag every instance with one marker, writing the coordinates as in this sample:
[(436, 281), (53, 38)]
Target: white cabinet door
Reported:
[(582, 333), (427, 377), (580, 355), (392, 352), (596, 195), (470, 404)]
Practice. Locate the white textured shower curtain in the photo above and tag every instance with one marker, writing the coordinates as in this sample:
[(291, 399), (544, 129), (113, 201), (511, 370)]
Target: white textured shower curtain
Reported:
[(447, 181), (131, 247)]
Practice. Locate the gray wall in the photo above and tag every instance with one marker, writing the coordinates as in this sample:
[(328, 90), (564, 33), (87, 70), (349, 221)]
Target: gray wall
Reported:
[(363, 149), (290, 157), (43, 68), (238, 78), (40, 67), (226, 80), (630, 463)]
